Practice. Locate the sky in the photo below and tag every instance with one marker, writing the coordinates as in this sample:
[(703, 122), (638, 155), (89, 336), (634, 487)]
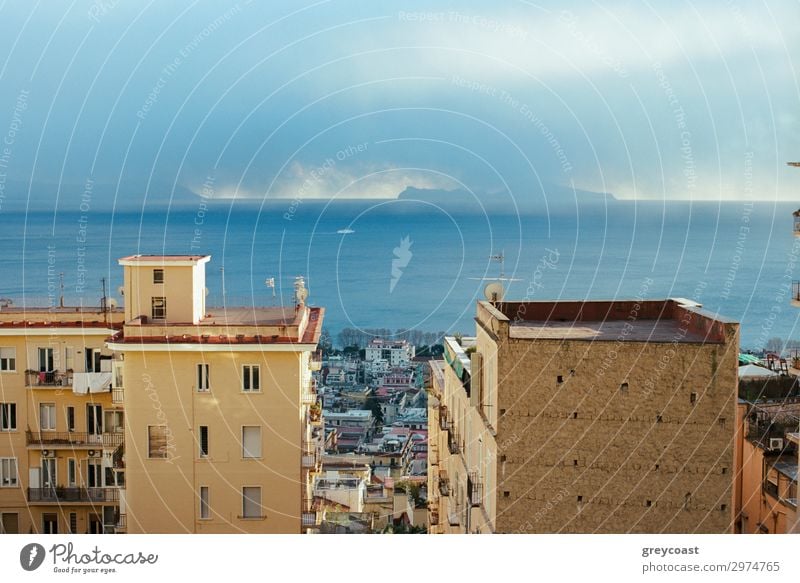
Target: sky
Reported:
[(152, 102)]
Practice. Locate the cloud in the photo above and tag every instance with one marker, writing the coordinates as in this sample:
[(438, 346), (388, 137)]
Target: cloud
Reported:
[(331, 180)]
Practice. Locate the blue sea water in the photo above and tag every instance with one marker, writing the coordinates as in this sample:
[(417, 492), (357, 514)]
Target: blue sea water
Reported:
[(737, 259)]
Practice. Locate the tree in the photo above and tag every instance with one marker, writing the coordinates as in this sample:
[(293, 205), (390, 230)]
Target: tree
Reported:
[(372, 404)]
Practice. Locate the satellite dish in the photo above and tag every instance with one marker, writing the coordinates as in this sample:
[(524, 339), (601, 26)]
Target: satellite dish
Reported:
[(494, 292), (121, 290), (112, 303)]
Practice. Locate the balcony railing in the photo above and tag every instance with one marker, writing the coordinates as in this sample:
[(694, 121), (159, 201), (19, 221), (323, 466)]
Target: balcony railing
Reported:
[(444, 483), (118, 458), (73, 439), (48, 379), (122, 523), (474, 489), (796, 291), (315, 362), (309, 519), (453, 441), (73, 495), (117, 395), (443, 418)]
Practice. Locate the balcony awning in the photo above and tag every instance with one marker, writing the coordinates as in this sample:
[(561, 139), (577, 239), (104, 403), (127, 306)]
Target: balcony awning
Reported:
[(90, 382)]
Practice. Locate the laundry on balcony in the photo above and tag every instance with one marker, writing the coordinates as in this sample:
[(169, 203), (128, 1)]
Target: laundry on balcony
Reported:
[(90, 382)]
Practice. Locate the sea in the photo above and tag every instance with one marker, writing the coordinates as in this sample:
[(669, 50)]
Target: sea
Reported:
[(400, 266)]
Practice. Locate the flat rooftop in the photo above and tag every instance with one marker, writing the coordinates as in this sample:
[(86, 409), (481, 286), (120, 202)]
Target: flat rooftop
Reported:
[(636, 331), (674, 320), (260, 316)]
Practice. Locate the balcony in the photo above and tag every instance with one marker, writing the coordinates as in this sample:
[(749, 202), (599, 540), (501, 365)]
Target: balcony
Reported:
[(309, 519), (121, 527), (60, 495), (117, 395), (72, 439), (49, 379), (309, 460), (443, 418), (453, 441), (474, 489), (315, 363), (444, 483), (118, 458), (796, 293)]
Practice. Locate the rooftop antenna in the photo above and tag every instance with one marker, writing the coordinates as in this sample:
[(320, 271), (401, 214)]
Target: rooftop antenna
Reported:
[(501, 258), (103, 300), (270, 282), (222, 275), (61, 298)]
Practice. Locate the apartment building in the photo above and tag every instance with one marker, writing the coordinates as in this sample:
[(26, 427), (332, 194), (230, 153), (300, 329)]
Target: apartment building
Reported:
[(396, 353), (220, 435), (61, 421), (601, 416), (767, 450), (167, 416)]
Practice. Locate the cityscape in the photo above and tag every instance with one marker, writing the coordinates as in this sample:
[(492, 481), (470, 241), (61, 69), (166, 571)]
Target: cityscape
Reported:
[(166, 415)]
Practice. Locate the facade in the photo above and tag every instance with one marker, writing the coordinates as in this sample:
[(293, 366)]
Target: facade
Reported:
[(61, 423), (766, 495), (220, 434), (608, 417), (396, 353), (166, 417)]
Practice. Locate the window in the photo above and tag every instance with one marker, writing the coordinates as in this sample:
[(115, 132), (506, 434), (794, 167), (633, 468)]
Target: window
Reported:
[(49, 473), (94, 474), (8, 472), (50, 523), (47, 416), (251, 377), (693, 398), (159, 311), (205, 510), (92, 359), (157, 441), (73, 523), (623, 387), (158, 276), (72, 473), (70, 418), (94, 419), (203, 441), (45, 360), (251, 442), (9, 523), (251, 502), (8, 416), (8, 359), (203, 381)]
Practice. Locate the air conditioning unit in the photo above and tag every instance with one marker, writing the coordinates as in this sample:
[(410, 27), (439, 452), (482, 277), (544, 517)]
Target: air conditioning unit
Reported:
[(48, 453), (775, 443), (95, 453)]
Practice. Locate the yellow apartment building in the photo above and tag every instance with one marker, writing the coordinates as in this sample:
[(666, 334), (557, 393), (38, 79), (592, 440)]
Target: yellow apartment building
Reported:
[(220, 433), (606, 417), (461, 447), (61, 423), (168, 416)]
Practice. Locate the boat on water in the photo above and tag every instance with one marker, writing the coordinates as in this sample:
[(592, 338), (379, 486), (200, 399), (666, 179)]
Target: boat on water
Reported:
[(345, 231)]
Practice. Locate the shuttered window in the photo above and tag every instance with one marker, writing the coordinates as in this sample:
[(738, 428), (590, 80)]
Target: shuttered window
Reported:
[(157, 441), (251, 442), (251, 502)]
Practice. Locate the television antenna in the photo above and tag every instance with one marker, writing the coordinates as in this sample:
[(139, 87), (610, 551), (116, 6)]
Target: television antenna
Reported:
[(500, 258)]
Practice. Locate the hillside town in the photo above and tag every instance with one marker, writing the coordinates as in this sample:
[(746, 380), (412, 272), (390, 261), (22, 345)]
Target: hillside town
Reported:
[(374, 470)]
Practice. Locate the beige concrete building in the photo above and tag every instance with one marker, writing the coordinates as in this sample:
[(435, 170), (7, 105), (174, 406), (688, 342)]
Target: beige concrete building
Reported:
[(607, 417), (220, 435), (61, 423)]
